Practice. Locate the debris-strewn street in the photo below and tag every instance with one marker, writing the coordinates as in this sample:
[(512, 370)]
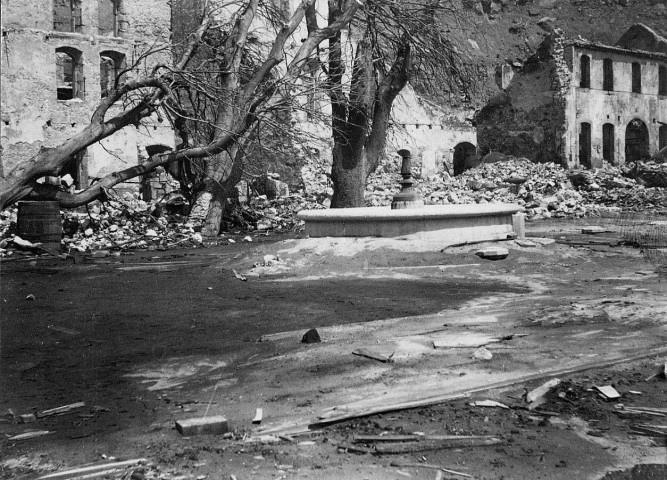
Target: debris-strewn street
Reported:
[(430, 358)]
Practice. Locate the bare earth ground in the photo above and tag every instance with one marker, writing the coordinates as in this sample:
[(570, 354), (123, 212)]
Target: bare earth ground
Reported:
[(152, 337)]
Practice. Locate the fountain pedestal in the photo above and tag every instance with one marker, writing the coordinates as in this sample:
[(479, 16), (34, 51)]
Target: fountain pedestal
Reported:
[(408, 197)]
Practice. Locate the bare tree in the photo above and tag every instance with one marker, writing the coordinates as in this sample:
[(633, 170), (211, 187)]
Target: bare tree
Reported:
[(240, 104), (398, 42), (226, 85)]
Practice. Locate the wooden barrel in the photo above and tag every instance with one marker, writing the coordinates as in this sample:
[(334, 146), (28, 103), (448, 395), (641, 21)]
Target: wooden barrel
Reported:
[(40, 222)]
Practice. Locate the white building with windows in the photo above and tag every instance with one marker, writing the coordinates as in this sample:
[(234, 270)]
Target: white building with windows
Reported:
[(580, 103), (59, 59)]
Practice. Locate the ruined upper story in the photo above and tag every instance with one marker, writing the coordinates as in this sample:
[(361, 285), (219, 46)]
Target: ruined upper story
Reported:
[(133, 20)]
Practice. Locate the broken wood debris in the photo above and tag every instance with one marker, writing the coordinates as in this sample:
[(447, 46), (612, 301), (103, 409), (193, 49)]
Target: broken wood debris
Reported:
[(61, 410), (650, 430), (381, 357), (391, 444), (28, 435), (429, 466), (239, 276), (92, 471), (539, 392), (488, 403), (662, 372)]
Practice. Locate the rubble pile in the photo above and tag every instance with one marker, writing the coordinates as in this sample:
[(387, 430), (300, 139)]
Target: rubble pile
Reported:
[(132, 223), (545, 190)]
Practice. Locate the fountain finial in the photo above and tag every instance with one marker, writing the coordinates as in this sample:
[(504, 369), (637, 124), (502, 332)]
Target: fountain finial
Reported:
[(408, 197)]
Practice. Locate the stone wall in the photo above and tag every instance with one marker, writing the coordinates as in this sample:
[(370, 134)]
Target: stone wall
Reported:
[(32, 115), (528, 118)]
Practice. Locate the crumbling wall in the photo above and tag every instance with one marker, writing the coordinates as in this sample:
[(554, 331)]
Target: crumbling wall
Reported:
[(32, 116), (528, 118)]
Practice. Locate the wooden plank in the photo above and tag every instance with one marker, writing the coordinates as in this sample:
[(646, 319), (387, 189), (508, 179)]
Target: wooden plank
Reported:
[(386, 438), (61, 410), (429, 466), (453, 442), (29, 435), (542, 390), (373, 355), (343, 412), (90, 471)]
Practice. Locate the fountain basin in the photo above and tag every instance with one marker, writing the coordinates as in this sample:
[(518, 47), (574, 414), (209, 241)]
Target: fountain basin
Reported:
[(452, 223)]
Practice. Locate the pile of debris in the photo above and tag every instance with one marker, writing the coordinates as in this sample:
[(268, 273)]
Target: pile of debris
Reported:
[(545, 189), (133, 223)]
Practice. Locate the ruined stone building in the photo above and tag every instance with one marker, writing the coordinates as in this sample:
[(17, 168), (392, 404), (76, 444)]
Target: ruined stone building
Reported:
[(580, 103), (59, 59)]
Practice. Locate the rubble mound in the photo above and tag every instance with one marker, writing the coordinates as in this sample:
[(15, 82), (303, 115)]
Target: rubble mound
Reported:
[(545, 189), (130, 223)]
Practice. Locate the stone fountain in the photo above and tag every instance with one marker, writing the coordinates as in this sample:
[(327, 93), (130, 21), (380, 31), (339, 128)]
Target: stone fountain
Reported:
[(408, 215)]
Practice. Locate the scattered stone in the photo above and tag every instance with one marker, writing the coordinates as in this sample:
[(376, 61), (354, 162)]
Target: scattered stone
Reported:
[(207, 425), (259, 413), (482, 353), (311, 336), (493, 253), (608, 392)]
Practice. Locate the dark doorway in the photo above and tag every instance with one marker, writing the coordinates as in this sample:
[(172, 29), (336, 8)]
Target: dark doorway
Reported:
[(662, 137), (608, 142), (636, 141), (464, 157), (585, 145)]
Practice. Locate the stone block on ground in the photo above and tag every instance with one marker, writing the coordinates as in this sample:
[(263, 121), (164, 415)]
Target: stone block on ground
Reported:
[(493, 253), (205, 425)]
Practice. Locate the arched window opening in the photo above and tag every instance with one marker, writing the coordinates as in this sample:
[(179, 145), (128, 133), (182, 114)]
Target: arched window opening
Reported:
[(636, 141), (465, 154), (112, 65), (608, 142), (608, 75), (662, 137), (70, 83), (585, 71), (636, 77), (67, 16), (662, 80), (585, 145), (108, 11)]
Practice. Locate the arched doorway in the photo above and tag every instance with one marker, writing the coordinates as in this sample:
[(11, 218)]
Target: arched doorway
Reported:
[(465, 154), (636, 141)]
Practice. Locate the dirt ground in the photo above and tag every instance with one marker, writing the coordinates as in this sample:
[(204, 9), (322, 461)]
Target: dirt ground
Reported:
[(146, 338)]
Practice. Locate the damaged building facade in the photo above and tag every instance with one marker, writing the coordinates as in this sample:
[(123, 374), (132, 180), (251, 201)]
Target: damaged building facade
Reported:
[(579, 103), (59, 59)]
